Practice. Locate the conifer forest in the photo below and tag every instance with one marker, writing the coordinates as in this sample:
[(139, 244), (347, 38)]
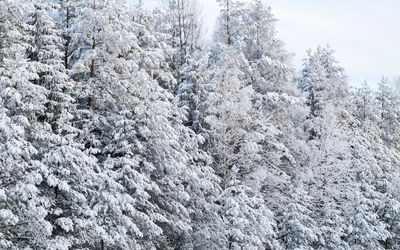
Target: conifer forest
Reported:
[(121, 129)]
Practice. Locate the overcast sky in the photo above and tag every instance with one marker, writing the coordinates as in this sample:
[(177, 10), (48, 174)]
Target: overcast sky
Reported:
[(364, 33)]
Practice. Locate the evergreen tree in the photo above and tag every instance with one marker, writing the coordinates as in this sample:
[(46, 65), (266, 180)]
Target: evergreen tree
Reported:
[(333, 229), (229, 22), (388, 110), (23, 208), (191, 93), (365, 108), (365, 230), (389, 213), (228, 115), (297, 229), (249, 224), (269, 60), (332, 157), (182, 23)]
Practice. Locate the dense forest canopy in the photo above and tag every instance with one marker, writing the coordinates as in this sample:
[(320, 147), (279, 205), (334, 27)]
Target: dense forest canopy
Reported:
[(118, 130)]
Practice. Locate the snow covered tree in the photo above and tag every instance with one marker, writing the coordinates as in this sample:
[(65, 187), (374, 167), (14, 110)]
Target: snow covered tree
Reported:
[(243, 143), (102, 43), (18, 73), (270, 61), (389, 213), (333, 229), (267, 159), (325, 83), (366, 230), (99, 37), (332, 157), (182, 22), (297, 229), (139, 160), (22, 102), (48, 58), (328, 97), (66, 11), (191, 93), (237, 130), (229, 22), (229, 115), (70, 184), (57, 165), (388, 109), (163, 176), (23, 209), (14, 30), (154, 53), (249, 224), (366, 108), (259, 33), (140, 14), (164, 161)]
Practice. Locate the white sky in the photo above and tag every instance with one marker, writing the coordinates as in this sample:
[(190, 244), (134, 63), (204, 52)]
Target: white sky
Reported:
[(364, 33)]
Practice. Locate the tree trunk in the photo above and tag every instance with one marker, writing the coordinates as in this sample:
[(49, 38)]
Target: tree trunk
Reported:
[(67, 39), (92, 64), (230, 241), (228, 33)]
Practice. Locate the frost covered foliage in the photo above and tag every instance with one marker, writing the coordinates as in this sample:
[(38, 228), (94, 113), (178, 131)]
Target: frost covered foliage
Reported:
[(119, 131)]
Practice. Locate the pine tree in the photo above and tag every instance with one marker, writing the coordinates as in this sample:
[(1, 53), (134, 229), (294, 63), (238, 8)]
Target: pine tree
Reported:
[(191, 93), (333, 229), (184, 28), (297, 229), (67, 12), (269, 60), (228, 115), (330, 128), (365, 230), (48, 58), (365, 108), (324, 81), (24, 208), (229, 22), (153, 53), (388, 109), (389, 214), (249, 224)]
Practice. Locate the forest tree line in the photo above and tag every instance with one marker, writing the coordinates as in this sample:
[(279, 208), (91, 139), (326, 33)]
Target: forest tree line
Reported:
[(119, 130)]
